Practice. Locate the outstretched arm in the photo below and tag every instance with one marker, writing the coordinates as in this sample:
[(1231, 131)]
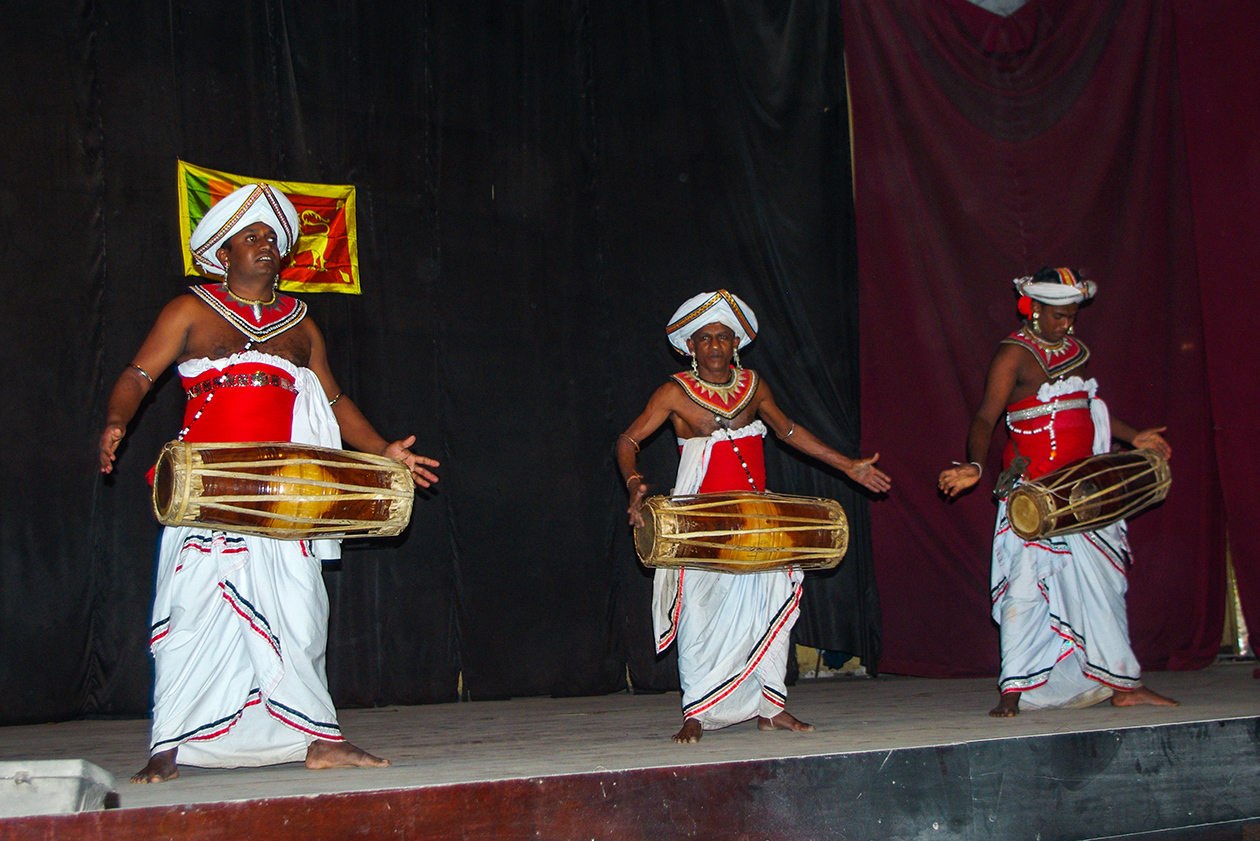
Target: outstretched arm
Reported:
[(998, 387), (657, 412), (164, 344), (1149, 439), (863, 471), (356, 430)]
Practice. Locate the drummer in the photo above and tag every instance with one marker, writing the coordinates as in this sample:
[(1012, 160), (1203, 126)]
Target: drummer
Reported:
[(1059, 601), (732, 630), (240, 622)]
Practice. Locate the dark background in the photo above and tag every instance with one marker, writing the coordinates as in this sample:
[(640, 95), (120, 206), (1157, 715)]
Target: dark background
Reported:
[(539, 186)]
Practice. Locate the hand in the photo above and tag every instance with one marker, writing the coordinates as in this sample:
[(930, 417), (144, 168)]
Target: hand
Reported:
[(865, 473), (955, 480), (1150, 439), (416, 464), (638, 490), (110, 439)]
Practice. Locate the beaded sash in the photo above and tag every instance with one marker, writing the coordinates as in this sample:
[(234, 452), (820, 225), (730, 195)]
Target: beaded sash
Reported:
[(1051, 408), (241, 381)]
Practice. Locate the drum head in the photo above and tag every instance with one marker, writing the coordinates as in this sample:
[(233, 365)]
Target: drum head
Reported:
[(1027, 515), (645, 535), (1084, 501), (163, 484)]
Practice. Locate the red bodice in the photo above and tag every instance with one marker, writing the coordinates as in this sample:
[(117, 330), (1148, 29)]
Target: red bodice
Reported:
[(256, 404), (1051, 440), (726, 473)]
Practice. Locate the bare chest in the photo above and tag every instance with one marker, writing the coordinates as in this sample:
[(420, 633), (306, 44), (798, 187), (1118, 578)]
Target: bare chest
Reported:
[(217, 339), (692, 421), (1033, 376)]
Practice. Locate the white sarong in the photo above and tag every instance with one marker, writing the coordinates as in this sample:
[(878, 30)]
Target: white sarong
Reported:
[(1060, 603), (732, 631), (240, 626)]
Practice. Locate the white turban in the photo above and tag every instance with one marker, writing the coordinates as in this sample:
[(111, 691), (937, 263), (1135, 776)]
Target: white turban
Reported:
[(1056, 287), (240, 209), (719, 307)]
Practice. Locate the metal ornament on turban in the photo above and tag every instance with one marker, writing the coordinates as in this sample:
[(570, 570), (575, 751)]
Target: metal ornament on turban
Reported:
[(240, 209), (1056, 287), (719, 307)]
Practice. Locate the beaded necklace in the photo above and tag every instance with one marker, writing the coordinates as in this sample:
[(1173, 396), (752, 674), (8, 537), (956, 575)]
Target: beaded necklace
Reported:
[(255, 306)]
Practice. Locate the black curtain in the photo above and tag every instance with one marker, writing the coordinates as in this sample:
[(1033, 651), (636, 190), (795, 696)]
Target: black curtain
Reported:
[(540, 185)]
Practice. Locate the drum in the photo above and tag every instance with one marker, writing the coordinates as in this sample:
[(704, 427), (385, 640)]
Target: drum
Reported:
[(742, 532), (283, 491), (1089, 494)]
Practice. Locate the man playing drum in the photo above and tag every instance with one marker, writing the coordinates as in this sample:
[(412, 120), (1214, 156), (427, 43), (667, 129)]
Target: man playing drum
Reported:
[(240, 622), (1059, 601), (732, 630)]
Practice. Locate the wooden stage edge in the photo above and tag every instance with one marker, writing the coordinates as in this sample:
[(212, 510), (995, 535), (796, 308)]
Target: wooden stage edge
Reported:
[(893, 757)]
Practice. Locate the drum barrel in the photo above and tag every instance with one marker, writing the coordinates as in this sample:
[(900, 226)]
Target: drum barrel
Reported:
[(281, 490), (741, 532), (1088, 494)]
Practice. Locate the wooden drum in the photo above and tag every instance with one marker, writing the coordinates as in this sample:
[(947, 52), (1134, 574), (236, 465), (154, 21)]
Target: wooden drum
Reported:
[(1089, 494), (742, 532), (283, 491)]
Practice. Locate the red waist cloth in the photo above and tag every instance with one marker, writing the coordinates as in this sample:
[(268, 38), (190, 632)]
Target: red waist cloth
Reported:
[(725, 472), (1050, 441), (241, 412)]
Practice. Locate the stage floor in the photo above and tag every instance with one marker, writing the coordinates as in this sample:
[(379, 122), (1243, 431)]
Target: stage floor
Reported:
[(538, 737)]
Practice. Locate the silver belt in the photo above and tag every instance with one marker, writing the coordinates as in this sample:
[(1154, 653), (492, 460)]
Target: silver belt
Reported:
[(241, 380), (1047, 409)]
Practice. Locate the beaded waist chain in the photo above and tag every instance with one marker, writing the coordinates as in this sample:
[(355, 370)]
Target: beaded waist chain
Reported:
[(241, 380), (1047, 409)]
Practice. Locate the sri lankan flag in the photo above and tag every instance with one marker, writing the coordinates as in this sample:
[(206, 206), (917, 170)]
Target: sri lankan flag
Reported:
[(326, 255)]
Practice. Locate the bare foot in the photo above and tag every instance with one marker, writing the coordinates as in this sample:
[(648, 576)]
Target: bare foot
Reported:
[(1008, 706), (322, 754), (1141, 695), (161, 768), (784, 721), (690, 733)]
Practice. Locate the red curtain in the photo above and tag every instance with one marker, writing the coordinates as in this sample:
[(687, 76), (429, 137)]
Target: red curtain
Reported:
[(1219, 76), (986, 147)]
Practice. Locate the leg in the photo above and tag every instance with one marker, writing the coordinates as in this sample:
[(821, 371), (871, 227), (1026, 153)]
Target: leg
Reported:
[(1008, 706), (161, 768), (323, 754), (784, 721), (690, 733), (1141, 695)]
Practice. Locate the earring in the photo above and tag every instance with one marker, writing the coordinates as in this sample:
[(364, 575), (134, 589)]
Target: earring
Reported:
[(1036, 322), (695, 369), (737, 365), (1072, 330)]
